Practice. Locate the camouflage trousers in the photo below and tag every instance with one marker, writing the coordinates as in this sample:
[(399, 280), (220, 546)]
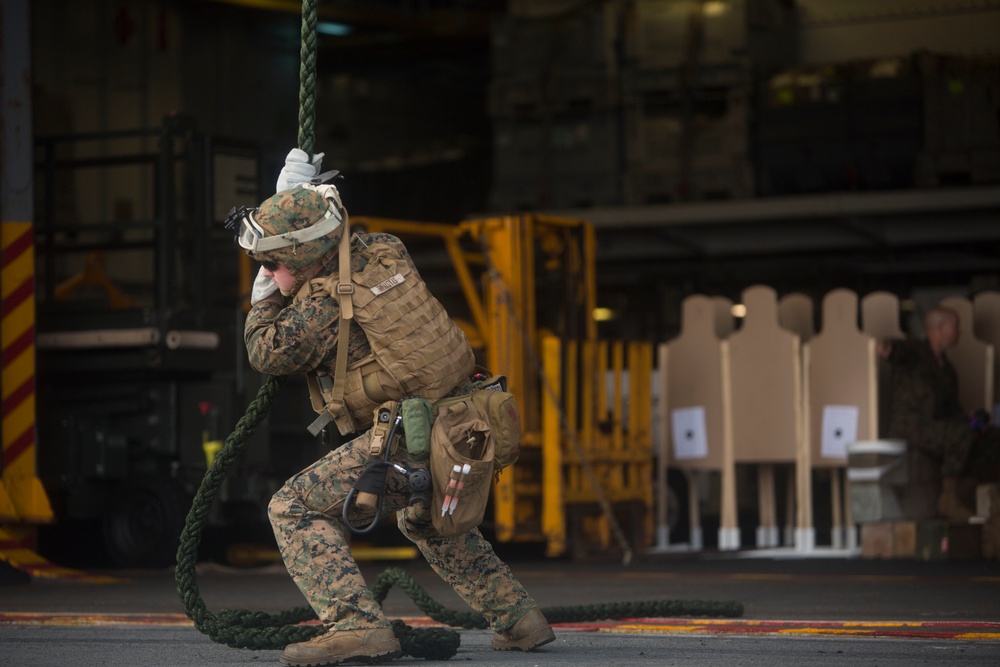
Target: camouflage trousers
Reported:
[(306, 515)]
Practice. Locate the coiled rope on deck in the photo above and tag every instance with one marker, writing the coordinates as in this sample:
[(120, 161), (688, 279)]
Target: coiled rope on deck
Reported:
[(473, 620)]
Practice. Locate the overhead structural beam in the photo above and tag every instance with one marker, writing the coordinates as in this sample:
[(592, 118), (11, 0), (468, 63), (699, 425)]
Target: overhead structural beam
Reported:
[(802, 207), (454, 21)]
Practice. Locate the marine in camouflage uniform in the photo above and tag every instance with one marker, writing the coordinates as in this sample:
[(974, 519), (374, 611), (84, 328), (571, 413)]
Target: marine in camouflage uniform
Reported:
[(925, 412), (306, 514)]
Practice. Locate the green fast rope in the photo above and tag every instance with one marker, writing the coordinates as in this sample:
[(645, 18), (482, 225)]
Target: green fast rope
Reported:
[(307, 77), (264, 631)]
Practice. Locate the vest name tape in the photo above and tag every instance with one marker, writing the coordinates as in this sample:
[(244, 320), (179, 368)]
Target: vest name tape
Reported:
[(387, 284)]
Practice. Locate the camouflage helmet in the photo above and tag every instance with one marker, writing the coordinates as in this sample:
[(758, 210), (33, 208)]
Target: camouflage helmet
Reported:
[(294, 228)]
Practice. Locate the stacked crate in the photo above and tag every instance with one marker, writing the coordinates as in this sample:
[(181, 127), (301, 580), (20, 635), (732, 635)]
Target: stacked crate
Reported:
[(686, 144), (802, 132), (555, 107), (961, 104), (884, 108), (688, 95), (643, 101), (845, 126), (628, 101), (727, 32), (919, 120)]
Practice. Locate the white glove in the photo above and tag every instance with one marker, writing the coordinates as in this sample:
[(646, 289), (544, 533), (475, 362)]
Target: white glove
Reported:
[(298, 169), (263, 287)]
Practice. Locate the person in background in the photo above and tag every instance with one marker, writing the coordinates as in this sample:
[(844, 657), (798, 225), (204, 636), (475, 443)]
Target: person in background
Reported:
[(925, 411)]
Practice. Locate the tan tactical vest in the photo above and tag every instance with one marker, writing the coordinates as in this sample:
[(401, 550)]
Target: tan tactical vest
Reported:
[(417, 350)]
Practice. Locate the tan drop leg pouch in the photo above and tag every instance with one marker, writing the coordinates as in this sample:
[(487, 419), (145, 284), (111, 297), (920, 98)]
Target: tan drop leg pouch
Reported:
[(472, 436)]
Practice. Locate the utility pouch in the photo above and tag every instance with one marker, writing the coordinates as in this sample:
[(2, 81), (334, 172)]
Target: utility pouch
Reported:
[(462, 455), (502, 415), (472, 436), (379, 449), (499, 410), (418, 416), (379, 436)]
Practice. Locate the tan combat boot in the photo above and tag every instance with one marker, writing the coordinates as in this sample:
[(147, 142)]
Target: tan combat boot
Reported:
[(949, 505), (336, 646), (530, 632)]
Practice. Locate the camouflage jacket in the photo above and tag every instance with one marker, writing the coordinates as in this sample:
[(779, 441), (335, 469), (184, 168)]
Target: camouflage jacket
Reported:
[(923, 389)]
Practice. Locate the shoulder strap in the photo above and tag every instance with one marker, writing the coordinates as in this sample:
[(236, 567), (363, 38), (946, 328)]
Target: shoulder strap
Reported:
[(344, 293)]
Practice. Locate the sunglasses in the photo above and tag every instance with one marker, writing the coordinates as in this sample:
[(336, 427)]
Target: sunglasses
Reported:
[(270, 266)]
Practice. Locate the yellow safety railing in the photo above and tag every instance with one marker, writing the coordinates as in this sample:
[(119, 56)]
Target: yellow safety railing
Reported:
[(597, 441)]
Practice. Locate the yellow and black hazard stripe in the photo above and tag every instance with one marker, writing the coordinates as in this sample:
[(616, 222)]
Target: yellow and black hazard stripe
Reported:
[(22, 499)]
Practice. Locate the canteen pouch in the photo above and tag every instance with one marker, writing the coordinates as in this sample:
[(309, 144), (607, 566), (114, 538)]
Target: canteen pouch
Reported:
[(418, 416)]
